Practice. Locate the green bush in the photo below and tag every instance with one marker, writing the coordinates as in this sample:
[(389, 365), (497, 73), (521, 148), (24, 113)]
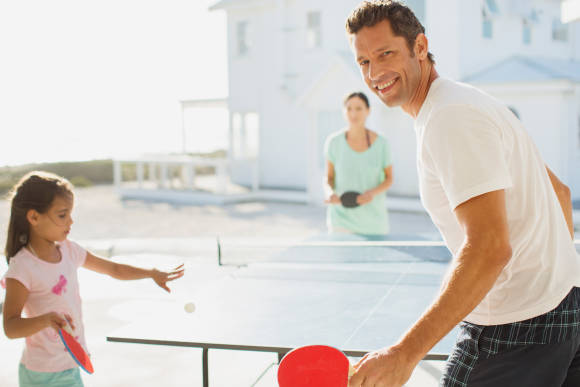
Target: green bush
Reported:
[(79, 173), (80, 181)]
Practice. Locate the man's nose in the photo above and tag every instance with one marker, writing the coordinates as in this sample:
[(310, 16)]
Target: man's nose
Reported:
[(374, 72)]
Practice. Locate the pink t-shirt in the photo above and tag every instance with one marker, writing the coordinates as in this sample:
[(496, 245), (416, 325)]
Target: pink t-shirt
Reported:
[(53, 287)]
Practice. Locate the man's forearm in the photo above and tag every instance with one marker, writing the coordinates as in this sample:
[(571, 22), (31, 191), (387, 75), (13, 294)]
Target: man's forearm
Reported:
[(473, 274)]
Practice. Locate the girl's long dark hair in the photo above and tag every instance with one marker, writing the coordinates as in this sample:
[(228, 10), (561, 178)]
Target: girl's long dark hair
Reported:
[(35, 191)]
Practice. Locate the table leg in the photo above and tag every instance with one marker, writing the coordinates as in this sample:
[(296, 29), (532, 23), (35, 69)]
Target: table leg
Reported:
[(205, 357)]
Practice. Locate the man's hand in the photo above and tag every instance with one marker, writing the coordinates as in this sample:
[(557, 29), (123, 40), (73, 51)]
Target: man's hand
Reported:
[(387, 367)]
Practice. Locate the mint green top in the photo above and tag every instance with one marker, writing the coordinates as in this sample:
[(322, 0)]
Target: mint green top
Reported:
[(358, 171)]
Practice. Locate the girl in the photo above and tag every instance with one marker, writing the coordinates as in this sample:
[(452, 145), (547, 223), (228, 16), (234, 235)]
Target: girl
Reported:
[(358, 160), (42, 279)]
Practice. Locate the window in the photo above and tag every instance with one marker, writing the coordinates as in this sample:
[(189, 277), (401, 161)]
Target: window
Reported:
[(242, 38), (491, 6), (486, 25), (559, 31), (526, 32), (418, 7), (313, 30)]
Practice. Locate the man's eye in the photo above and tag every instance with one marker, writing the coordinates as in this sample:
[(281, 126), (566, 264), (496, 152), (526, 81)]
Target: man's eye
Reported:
[(363, 63), (386, 53)]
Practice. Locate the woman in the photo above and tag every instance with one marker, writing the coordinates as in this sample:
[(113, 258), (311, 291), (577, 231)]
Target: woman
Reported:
[(359, 160)]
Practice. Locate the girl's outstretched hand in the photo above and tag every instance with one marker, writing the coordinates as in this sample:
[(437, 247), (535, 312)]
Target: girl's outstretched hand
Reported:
[(161, 278)]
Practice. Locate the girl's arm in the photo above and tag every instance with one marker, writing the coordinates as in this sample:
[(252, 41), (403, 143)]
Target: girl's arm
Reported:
[(16, 326), (127, 272), (368, 196)]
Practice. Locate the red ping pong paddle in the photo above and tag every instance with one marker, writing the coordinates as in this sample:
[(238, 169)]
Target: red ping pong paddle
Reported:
[(76, 351), (348, 199), (314, 366)]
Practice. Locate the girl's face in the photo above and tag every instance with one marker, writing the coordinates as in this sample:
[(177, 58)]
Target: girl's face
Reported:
[(356, 111), (55, 223)]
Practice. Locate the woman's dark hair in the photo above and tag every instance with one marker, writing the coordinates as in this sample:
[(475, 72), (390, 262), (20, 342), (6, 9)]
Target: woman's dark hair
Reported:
[(357, 94), (401, 18), (35, 191)]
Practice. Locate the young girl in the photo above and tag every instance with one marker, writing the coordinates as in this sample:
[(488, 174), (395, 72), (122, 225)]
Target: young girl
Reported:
[(42, 279)]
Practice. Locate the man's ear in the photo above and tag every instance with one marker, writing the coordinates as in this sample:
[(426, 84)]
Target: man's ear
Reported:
[(421, 47), (32, 217)]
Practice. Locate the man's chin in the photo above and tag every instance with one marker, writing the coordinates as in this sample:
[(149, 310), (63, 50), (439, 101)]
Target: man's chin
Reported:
[(390, 102)]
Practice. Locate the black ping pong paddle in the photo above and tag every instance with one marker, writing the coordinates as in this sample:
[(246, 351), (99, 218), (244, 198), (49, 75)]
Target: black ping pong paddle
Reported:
[(348, 199)]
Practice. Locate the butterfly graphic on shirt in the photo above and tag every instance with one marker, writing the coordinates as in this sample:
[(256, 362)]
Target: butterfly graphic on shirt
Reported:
[(60, 287)]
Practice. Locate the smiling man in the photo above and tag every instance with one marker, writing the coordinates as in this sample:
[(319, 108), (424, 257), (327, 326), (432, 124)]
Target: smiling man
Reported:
[(507, 219)]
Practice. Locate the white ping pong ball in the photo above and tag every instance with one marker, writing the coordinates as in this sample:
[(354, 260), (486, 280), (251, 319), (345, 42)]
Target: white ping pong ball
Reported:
[(189, 307)]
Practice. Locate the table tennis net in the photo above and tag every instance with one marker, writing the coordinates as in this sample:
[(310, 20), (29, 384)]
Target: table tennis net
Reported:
[(237, 253)]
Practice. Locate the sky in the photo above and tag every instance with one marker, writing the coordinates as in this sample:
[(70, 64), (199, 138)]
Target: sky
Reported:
[(84, 80)]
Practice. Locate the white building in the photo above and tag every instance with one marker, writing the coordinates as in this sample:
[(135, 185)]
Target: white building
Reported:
[(290, 65)]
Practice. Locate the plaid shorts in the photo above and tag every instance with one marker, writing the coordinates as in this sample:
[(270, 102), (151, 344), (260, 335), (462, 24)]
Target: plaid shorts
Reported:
[(546, 348)]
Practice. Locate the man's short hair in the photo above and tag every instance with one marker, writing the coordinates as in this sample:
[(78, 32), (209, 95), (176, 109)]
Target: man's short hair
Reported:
[(401, 18)]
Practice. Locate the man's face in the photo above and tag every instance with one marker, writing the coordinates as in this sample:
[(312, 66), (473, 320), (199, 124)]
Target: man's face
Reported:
[(387, 65)]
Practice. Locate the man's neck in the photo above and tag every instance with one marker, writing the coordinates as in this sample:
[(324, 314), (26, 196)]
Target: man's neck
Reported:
[(428, 75)]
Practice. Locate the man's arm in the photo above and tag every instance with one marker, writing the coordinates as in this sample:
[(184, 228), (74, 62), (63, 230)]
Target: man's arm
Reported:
[(478, 264), (564, 197)]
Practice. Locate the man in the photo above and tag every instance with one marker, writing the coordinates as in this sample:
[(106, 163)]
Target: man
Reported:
[(504, 215)]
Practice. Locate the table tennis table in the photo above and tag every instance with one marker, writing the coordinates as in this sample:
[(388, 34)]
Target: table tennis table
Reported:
[(354, 293), (357, 295)]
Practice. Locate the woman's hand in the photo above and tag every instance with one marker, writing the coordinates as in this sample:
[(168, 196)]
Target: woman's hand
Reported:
[(333, 199), (161, 278), (365, 198)]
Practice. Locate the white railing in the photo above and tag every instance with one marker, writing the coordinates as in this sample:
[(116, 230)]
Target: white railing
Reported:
[(158, 168)]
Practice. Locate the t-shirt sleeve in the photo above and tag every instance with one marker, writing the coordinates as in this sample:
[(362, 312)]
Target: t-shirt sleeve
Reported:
[(78, 254), (330, 149), (19, 270), (387, 161), (467, 153)]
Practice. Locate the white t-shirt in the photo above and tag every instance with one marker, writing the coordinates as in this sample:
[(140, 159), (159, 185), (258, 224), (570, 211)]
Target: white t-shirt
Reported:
[(53, 287), (468, 144)]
